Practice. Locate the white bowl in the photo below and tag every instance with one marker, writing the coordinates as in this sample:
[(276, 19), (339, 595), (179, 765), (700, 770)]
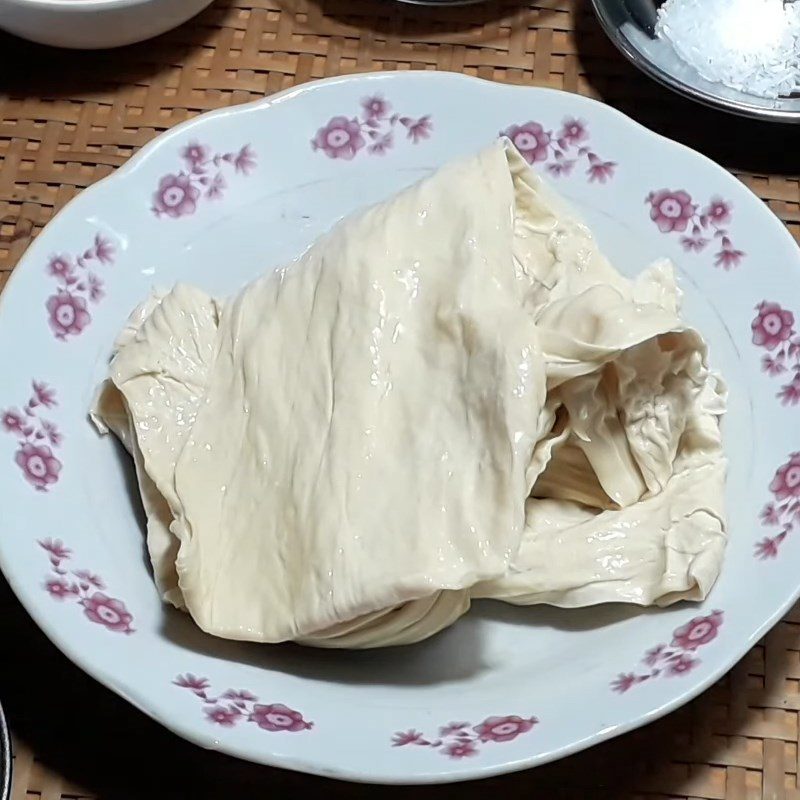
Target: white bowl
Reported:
[(94, 24)]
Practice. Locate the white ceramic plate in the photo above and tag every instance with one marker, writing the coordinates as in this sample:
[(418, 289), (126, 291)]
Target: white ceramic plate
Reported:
[(229, 194)]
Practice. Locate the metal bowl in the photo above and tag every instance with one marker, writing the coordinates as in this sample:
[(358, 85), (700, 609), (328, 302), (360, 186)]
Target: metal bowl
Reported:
[(5, 758), (657, 58)]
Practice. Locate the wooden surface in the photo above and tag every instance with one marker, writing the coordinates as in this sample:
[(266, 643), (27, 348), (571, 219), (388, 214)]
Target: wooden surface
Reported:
[(68, 119)]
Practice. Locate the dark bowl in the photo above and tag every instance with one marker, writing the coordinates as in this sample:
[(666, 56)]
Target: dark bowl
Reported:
[(5, 758)]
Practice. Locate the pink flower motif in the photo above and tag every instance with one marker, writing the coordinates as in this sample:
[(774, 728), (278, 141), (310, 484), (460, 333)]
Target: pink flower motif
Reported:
[(697, 632), (277, 717), (682, 664), (772, 326), (38, 464), (503, 729), (573, 131), (59, 589), (189, 681), (68, 311), (381, 145), (68, 314), (241, 696), (103, 249), (340, 138), (679, 657), (623, 682), (600, 170), (418, 129), (400, 739), (96, 293), (60, 266), (245, 160), (51, 432), (561, 165), (217, 187), (718, 212), (790, 394), (461, 750), (44, 394), (558, 169), (13, 421), (773, 366), (176, 196), (786, 482), (375, 107), (226, 717), (652, 656), (768, 547), (56, 548), (531, 139), (693, 244), (727, 258), (671, 211), (453, 727), (195, 154), (107, 611), (769, 515), (88, 578)]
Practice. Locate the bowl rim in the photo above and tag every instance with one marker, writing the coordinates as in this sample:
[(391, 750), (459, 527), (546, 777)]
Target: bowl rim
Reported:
[(75, 6), (5, 758)]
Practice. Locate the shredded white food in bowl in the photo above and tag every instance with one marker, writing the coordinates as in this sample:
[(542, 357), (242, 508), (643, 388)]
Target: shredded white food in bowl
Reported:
[(749, 45)]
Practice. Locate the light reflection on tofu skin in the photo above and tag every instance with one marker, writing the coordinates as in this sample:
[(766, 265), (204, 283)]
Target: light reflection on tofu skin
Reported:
[(451, 396)]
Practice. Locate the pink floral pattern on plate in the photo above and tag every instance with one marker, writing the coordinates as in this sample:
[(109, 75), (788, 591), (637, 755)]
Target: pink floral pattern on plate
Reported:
[(235, 705), (79, 285), (375, 129), (462, 740), (202, 176), (84, 587), (36, 436), (675, 659), (783, 511), (674, 212), (561, 151), (773, 330)]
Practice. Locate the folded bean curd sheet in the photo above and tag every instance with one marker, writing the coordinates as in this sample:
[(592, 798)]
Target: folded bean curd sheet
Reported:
[(451, 395)]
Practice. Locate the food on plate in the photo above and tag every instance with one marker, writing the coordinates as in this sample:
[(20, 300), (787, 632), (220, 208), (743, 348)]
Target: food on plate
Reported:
[(451, 395)]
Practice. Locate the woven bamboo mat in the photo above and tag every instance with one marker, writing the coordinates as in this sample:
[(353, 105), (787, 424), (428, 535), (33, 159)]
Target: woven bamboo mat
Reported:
[(69, 119)]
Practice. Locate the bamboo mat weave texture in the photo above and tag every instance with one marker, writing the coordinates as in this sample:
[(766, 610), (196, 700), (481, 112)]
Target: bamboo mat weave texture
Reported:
[(69, 119)]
